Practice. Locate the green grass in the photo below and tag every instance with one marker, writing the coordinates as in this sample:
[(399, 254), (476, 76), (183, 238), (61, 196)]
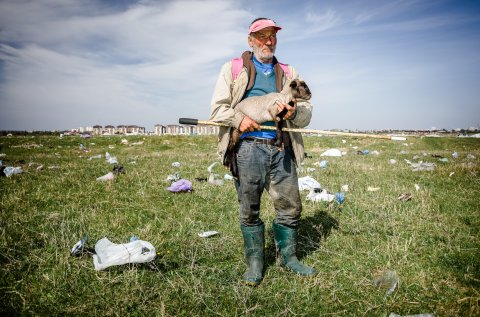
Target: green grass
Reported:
[(432, 241)]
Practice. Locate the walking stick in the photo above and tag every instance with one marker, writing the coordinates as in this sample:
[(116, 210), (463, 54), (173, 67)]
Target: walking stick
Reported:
[(190, 121)]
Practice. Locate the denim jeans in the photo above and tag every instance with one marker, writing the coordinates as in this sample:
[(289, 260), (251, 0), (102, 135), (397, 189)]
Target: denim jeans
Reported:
[(266, 167)]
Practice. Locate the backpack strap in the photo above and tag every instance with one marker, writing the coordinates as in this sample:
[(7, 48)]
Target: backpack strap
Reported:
[(237, 65), (286, 70)]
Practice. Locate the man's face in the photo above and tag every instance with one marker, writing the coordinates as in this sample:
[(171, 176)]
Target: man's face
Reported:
[(263, 44)]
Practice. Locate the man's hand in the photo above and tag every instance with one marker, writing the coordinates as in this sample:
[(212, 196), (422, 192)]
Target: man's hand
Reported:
[(248, 124), (290, 109)]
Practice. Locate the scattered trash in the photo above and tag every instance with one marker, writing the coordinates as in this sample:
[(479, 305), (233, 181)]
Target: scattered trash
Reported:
[(332, 152), (455, 154), (207, 234), (173, 177), (78, 247), (318, 194), (10, 170), (398, 138), (3, 154), (181, 185), (311, 169), (372, 189), (344, 188), (437, 156), (417, 187), (403, 152), (110, 159), (109, 254), (99, 156), (340, 197), (133, 238), (201, 179), (421, 166), (124, 141), (307, 183), (365, 152), (323, 164), (107, 177), (53, 167), (118, 169), (387, 280), (137, 143), (375, 152), (215, 180), (176, 164), (344, 141), (470, 156), (227, 177), (392, 161), (405, 197), (443, 160), (451, 174)]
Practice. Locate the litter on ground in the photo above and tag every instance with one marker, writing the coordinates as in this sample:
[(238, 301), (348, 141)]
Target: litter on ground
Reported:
[(421, 166), (107, 177), (181, 185), (207, 234), (307, 183), (372, 189), (109, 254), (387, 280), (318, 194), (405, 197), (332, 152)]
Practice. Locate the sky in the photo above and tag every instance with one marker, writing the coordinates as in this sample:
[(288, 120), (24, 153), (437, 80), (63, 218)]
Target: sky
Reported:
[(370, 64)]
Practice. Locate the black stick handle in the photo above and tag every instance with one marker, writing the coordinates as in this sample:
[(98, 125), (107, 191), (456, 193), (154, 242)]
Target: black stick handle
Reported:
[(188, 121)]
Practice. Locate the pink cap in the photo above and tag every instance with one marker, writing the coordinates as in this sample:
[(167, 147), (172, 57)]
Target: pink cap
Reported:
[(261, 24)]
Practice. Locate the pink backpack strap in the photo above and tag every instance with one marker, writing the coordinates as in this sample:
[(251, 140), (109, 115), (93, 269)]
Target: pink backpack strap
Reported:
[(286, 70), (237, 65)]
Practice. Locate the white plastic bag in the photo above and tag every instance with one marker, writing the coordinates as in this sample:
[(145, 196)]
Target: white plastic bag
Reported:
[(318, 194), (307, 183), (108, 253)]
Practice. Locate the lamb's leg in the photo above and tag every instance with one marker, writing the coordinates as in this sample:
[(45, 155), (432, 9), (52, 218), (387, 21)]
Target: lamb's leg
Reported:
[(279, 132), (230, 159)]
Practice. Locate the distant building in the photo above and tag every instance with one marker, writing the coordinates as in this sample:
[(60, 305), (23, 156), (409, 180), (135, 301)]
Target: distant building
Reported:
[(175, 129)]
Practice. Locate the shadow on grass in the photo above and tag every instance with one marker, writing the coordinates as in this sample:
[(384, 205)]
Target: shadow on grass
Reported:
[(311, 231)]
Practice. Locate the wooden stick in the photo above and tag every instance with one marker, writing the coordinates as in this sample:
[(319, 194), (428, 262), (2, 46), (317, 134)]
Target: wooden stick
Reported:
[(313, 131)]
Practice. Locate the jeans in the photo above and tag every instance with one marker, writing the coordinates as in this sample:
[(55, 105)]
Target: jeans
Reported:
[(260, 167)]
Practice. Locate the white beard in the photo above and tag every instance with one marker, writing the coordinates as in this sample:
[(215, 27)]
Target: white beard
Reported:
[(262, 56)]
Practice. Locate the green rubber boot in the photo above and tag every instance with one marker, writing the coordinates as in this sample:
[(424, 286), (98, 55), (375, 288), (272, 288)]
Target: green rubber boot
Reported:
[(254, 244), (286, 243)]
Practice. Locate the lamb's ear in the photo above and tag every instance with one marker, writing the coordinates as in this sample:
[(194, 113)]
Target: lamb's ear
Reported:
[(293, 84)]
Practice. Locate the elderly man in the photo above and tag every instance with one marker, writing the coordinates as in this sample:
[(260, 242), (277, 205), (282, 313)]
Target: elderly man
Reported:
[(261, 164)]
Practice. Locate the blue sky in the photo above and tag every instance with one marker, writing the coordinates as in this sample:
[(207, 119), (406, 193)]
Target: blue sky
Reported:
[(370, 64)]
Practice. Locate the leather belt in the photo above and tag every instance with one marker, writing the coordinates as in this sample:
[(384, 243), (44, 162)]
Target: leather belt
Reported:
[(260, 141)]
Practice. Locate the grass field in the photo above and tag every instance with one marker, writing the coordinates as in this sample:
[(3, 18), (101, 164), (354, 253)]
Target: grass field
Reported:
[(431, 241)]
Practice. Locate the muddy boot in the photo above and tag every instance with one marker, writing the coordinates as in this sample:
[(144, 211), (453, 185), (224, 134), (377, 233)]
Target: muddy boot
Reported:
[(254, 244), (286, 243)]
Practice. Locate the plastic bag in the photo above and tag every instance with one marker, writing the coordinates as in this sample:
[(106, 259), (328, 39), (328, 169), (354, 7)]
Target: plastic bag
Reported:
[(307, 183), (109, 254), (181, 185)]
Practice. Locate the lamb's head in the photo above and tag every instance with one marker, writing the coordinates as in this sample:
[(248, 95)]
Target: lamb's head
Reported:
[(300, 89)]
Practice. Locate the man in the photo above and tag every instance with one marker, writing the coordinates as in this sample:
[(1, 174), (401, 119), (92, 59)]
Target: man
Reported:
[(261, 164)]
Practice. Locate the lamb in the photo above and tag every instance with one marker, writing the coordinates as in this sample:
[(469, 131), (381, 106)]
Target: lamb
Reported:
[(262, 109)]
